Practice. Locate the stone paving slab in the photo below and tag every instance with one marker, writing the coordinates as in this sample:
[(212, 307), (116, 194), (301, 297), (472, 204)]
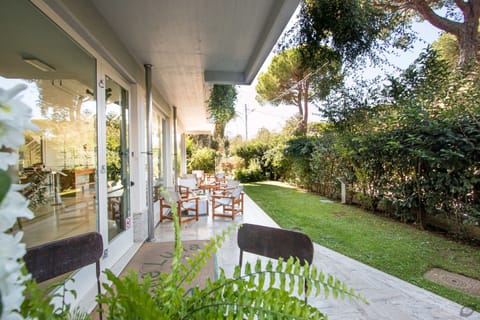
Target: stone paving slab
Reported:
[(454, 280)]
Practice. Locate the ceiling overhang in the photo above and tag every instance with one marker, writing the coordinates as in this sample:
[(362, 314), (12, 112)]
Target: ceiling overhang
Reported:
[(193, 44)]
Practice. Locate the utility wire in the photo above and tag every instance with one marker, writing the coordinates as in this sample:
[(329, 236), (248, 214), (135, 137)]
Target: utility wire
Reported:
[(283, 94)]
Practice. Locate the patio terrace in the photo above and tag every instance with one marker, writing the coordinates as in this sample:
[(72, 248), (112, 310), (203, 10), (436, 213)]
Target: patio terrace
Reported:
[(389, 297)]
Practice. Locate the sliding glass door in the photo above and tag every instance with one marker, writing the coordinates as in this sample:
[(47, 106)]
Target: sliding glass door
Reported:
[(117, 155)]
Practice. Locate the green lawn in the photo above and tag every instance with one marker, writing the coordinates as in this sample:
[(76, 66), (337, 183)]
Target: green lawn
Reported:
[(395, 248)]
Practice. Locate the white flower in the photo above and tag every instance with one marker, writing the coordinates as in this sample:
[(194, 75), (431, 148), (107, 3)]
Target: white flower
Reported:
[(13, 206), (11, 277), (15, 117), (7, 159)]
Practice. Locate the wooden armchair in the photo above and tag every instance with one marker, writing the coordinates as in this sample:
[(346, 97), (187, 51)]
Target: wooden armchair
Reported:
[(226, 188), (200, 176), (230, 202), (220, 179), (187, 208), (186, 187)]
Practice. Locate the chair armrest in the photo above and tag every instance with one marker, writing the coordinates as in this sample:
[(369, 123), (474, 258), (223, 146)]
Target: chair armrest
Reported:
[(223, 200), (225, 192), (164, 203), (189, 199), (183, 189), (220, 196)]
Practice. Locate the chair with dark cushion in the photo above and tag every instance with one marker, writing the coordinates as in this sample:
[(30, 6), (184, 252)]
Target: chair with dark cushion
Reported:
[(275, 243), (55, 258)]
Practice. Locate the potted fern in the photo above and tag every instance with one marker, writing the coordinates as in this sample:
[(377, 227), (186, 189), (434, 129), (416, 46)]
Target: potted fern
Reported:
[(264, 291)]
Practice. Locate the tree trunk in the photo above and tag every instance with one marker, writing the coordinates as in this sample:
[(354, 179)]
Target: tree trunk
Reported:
[(299, 101), (466, 32), (468, 42), (306, 84), (301, 97), (420, 208)]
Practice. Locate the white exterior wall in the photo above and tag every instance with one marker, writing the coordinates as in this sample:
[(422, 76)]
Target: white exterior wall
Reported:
[(83, 23)]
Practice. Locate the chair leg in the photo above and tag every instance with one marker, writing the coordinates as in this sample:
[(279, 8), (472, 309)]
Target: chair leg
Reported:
[(99, 290), (240, 259), (305, 288), (241, 204), (213, 208)]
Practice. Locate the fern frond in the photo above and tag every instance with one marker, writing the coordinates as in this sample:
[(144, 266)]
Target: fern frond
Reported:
[(199, 260), (285, 279)]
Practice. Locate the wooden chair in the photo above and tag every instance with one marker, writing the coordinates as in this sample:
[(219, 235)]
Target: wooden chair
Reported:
[(230, 201), (220, 179), (227, 188), (186, 187), (200, 176), (58, 257), (184, 207), (275, 243)]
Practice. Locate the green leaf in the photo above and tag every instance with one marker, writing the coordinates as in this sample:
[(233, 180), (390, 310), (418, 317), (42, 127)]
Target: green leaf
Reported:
[(258, 266), (5, 183), (248, 268), (326, 289)]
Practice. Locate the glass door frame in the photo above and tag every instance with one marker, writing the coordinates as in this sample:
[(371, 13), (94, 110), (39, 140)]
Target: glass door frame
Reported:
[(125, 238), (161, 120)]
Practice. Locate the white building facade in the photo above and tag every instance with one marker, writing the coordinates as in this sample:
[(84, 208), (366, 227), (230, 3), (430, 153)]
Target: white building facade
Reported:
[(114, 86)]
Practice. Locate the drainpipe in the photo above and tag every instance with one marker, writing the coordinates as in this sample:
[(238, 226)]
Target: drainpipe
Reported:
[(175, 149), (150, 217)]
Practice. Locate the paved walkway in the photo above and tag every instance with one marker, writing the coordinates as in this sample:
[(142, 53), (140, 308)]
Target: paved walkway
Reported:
[(389, 297)]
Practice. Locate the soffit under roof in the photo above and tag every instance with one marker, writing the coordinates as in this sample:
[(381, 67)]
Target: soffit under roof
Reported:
[(192, 44)]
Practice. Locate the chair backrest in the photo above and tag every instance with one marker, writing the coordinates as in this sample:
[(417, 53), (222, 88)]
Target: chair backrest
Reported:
[(55, 258), (188, 182), (58, 257), (171, 197), (198, 173), (232, 183), (237, 192), (274, 243)]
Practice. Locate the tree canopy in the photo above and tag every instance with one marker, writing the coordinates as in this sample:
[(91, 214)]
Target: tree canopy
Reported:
[(460, 19), (221, 106), (290, 81), (354, 27), (407, 146), (447, 48), (351, 28)]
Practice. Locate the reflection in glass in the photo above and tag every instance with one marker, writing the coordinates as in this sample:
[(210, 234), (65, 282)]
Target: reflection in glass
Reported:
[(58, 162), (158, 161), (117, 157), (157, 137)]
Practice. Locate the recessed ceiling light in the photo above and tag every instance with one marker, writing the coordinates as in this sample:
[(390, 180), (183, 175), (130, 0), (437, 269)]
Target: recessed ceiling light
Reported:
[(40, 65)]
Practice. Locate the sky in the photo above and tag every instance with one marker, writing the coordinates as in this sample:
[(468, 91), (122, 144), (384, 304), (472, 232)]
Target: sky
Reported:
[(273, 118)]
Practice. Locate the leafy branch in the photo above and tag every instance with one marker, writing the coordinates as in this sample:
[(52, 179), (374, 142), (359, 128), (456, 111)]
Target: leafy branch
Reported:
[(243, 292)]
